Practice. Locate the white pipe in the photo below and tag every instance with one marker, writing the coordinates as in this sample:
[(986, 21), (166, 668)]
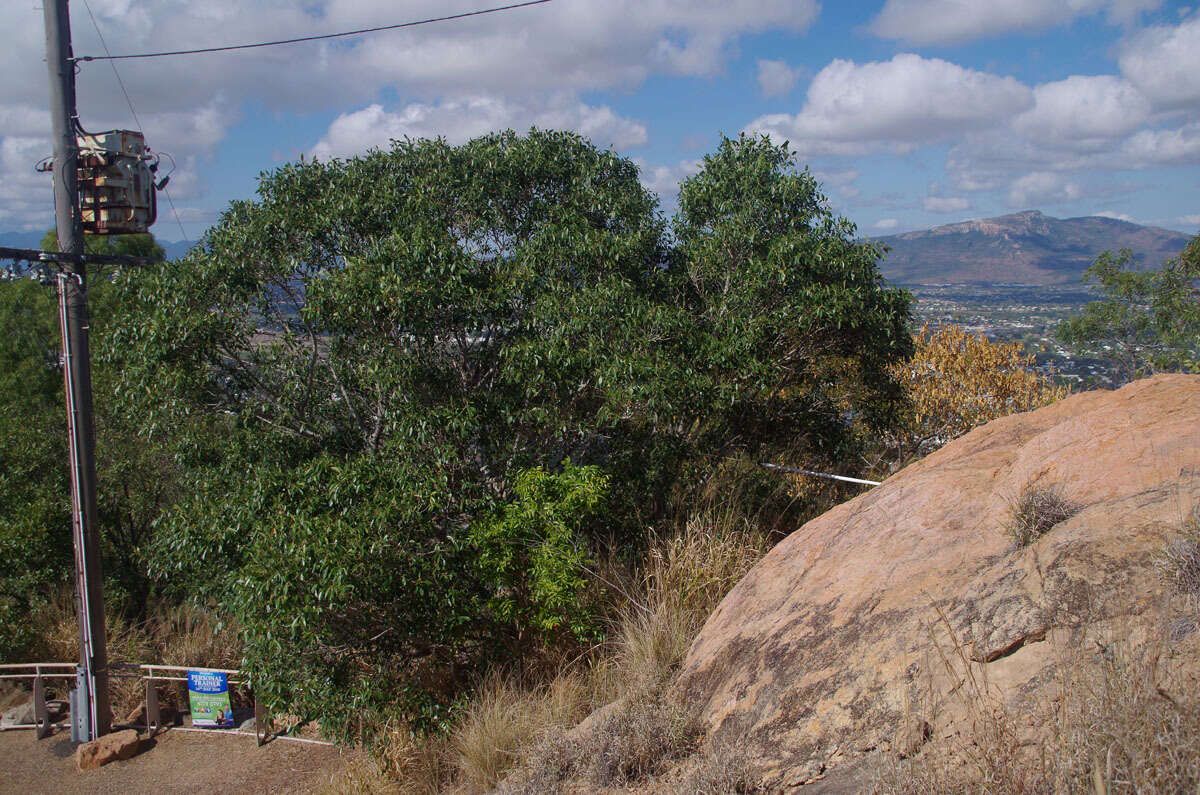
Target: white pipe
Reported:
[(810, 473)]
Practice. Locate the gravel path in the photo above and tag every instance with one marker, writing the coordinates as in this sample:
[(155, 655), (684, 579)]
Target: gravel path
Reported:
[(177, 762)]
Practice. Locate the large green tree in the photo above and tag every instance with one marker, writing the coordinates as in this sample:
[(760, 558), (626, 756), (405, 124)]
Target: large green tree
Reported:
[(1148, 321), (373, 377), (796, 327)]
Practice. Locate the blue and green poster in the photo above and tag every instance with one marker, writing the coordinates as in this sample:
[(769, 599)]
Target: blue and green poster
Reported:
[(208, 696)]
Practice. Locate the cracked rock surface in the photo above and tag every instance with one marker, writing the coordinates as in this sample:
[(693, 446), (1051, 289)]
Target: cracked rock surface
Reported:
[(835, 639)]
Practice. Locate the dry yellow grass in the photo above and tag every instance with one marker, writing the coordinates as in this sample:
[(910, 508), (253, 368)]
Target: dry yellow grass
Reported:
[(175, 635), (683, 580), (511, 723), (1118, 720)]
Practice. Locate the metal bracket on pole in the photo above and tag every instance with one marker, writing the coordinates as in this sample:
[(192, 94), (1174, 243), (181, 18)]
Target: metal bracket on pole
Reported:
[(262, 722), (81, 714), (41, 716), (153, 715)]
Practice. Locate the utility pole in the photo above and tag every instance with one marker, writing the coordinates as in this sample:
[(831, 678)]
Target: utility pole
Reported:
[(90, 708)]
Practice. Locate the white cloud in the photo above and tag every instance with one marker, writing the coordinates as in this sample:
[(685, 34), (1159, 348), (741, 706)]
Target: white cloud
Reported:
[(946, 204), (1194, 220), (1115, 216), (534, 63), (894, 105), (1081, 112), (1040, 188), (956, 21), (887, 223), (458, 120), (665, 180), (1148, 148), (842, 180), (1164, 62), (777, 78)]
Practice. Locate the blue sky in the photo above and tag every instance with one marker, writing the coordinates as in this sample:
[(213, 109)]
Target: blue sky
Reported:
[(912, 113)]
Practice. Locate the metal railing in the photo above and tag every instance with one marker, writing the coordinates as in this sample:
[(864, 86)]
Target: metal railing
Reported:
[(37, 672), (151, 674)]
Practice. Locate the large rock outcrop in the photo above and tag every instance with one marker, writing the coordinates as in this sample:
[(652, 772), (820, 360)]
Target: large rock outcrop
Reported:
[(827, 645)]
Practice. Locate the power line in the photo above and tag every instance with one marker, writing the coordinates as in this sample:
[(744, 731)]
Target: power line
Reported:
[(120, 82), (361, 31)]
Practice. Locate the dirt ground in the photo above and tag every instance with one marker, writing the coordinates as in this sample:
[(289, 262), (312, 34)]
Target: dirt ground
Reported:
[(175, 762)]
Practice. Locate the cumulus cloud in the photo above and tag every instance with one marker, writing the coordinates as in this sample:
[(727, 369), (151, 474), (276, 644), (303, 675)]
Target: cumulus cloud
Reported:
[(1083, 111), (534, 64), (946, 204), (956, 21), (777, 78), (1042, 187), (887, 223), (1115, 215), (1164, 62), (840, 179), (459, 120), (664, 181), (1193, 220), (1163, 147), (894, 105)]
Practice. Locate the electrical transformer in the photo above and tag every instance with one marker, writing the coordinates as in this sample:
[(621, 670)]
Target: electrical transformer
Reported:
[(116, 183)]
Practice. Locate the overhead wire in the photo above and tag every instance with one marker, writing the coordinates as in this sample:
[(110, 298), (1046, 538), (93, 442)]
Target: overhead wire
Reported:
[(108, 56), (226, 48), (132, 110)]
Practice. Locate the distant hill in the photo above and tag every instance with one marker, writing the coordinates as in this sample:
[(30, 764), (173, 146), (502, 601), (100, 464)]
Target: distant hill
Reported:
[(1022, 248), (33, 240), (21, 239)]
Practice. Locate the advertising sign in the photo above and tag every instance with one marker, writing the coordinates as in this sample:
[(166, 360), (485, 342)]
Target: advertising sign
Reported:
[(208, 696)]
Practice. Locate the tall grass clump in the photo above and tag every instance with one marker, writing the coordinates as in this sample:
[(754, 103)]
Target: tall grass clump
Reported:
[(683, 580), (1116, 721), (1180, 561), (1036, 511), (658, 610)]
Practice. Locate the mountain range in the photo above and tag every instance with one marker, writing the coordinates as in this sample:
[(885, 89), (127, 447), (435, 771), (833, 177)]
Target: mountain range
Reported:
[(33, 240), (1023, 248)]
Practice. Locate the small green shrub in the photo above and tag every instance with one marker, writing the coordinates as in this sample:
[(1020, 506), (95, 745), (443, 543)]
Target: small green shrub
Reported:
[(1036, 511), (533, 554)]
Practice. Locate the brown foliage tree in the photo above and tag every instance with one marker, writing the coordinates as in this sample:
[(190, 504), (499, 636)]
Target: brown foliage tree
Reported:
[(956, 381)]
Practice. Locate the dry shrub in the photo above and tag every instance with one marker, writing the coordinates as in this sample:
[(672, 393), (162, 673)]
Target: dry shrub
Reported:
[(171, 635), (500, 719), (56, 629), (724, 769), (363, 776), (188, 635), (1116, 722), (1129, 725), (1036, 511), (404, 763), (511, 724), (1180, 561), (956, 381), (506, 718), (683, 581), (636, 741)]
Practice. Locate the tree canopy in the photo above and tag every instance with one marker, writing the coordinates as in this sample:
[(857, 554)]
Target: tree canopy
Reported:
[(1147, 321), (400, 400)]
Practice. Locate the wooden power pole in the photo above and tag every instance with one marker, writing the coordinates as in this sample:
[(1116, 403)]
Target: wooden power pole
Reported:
[(90, 707)]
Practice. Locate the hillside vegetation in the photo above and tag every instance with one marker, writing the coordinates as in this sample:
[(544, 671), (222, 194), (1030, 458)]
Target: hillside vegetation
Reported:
[(451, 445)]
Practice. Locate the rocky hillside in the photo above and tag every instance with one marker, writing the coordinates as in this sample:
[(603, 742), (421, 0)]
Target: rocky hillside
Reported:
[(862, 631), (1023, 248)]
